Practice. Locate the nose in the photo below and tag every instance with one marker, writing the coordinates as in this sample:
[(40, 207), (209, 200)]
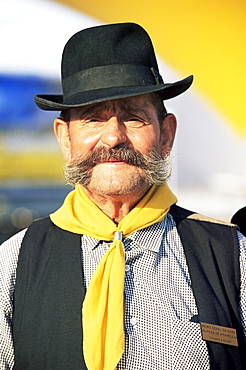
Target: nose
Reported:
[(114, 133)]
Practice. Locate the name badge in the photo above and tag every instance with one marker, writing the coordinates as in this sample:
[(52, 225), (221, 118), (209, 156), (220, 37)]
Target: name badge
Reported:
[(219, 334)]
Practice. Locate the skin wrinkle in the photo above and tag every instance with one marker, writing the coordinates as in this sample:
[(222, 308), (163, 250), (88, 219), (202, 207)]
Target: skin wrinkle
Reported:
[(117, 149), (122, 108), (155, 98), (157, 169)]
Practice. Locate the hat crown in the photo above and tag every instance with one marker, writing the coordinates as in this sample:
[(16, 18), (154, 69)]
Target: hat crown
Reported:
[(109, 62), (114, 44)]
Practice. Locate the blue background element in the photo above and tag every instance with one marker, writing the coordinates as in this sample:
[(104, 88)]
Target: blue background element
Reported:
[(17, 106)]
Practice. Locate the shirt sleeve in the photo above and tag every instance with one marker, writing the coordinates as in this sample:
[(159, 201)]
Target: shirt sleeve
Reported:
[(9, 252), (242, 307)]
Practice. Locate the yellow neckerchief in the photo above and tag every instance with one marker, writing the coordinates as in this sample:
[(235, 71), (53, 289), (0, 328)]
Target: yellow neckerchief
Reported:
[(103, 307)]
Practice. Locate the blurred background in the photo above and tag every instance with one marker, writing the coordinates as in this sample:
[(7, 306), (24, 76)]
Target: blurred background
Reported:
[(201, 37)]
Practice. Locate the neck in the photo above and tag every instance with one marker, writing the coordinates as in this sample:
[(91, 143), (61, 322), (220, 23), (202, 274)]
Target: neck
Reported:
[(116, 207)]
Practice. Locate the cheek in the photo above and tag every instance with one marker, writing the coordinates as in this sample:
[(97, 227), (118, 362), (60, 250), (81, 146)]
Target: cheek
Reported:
[(83, 142), (146, 141)]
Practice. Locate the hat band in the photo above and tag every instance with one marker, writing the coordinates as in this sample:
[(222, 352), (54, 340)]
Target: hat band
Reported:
[(115, 75)]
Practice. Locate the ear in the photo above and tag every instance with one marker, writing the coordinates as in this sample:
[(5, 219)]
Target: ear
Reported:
[(168, 131), (62, 134)]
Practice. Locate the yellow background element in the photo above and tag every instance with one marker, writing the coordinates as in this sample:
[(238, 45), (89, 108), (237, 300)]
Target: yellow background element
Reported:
[(201, 37), (31, 166)]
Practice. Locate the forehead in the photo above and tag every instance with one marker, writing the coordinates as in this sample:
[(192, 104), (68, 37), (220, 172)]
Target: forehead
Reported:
[(133, 104)]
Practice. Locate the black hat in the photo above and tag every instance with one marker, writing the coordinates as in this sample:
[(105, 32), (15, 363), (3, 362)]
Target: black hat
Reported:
[(109, 62)]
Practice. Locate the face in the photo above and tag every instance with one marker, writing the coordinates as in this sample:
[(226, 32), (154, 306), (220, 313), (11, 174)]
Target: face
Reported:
[(125, 123)]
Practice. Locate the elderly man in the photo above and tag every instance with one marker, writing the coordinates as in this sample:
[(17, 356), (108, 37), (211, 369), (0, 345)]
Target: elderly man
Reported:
[(120, 276)]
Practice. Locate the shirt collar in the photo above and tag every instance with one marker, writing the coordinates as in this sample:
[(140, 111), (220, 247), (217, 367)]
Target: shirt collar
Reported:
[(142, 238)]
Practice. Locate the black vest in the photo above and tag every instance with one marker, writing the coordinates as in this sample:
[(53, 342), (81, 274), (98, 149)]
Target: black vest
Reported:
[(49, 292)]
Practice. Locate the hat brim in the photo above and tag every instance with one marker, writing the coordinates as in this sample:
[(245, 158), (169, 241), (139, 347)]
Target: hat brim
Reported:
[(56, 102)]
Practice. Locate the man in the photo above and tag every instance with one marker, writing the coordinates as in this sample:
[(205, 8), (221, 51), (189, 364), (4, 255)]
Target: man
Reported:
[(159, 286)]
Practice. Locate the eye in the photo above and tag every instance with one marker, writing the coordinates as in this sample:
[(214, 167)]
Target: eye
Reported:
[(134, 122), (92, 122)]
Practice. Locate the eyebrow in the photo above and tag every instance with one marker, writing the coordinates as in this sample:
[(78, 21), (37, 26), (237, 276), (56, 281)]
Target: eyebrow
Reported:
[(139, 110), (107, 106)]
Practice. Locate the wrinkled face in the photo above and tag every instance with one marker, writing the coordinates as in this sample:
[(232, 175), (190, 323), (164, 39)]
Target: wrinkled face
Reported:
[(124, 123)]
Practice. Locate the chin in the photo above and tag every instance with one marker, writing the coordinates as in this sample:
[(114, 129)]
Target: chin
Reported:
[(118, 186)]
